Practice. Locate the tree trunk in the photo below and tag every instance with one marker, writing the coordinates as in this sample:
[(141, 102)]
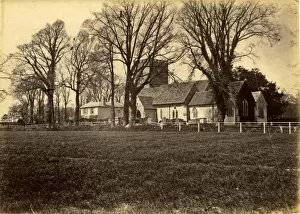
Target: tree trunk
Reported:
[(50, 111), (58, 111), (133, 109), (112, 110), (221, 112), (41, 106), (126, 105), (113, 113), (77, 105), (221, 100), (31, 108), (65, 112)]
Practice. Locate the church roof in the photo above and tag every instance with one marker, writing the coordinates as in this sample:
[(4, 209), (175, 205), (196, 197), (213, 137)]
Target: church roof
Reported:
[(235, 87), (147, 102), (175, 93), (180, 93), (202, 98)]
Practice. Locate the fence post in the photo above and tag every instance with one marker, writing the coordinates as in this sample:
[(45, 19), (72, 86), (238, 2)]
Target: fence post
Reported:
[(281, 129), (241, 128), (219, 128), (290, 128), (198, 127), (264, 127), (179, 127), (161, 126)]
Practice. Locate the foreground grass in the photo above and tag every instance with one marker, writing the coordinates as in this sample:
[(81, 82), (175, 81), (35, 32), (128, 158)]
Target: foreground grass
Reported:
[(147, 172)]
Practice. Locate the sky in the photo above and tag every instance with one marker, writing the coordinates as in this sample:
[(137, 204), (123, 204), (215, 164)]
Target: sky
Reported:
[(20, 19)]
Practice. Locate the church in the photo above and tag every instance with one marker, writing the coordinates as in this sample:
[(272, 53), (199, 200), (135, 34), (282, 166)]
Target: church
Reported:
[(195, 101), (185, 101)]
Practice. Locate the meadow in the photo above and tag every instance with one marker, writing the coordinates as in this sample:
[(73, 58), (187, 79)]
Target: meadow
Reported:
[(147, 172)]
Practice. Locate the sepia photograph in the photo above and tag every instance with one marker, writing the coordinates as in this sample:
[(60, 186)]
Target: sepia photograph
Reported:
[(141, 107)]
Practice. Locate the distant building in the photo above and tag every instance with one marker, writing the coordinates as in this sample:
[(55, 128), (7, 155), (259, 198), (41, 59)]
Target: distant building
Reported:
[(100, 110)]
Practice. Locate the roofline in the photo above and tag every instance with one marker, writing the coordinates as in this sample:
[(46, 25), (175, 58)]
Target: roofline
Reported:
[(168, 104), (100, 106), (203, 105)]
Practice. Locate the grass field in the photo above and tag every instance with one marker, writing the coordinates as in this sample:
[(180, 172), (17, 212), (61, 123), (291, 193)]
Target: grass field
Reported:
[(147, 172)]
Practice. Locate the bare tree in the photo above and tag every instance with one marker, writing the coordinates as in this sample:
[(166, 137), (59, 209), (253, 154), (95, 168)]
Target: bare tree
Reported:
[(98, 88), (213, 31), (139, 33), (4, 76), (103, 64), (42, 56), (78, 73), (24, 88), (26, 96)]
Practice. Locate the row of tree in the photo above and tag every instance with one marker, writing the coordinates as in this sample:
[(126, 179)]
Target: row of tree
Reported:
[(134, 34)]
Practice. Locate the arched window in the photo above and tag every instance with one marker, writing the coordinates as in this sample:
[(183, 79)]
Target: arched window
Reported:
[(176, 114), (245, 108), (195, 112)]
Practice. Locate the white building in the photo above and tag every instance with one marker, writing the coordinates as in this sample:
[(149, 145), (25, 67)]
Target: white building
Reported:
[(100, 110)]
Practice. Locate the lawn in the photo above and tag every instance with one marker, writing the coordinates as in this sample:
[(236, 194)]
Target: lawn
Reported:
[(147, 172)]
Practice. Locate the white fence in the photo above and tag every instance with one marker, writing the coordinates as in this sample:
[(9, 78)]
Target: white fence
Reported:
[(262, 127)]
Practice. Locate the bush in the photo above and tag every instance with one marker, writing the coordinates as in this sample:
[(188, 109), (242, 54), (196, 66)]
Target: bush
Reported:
[(21, 122)]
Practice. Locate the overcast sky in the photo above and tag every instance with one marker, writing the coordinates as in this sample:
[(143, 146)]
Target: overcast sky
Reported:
[(20, 19)]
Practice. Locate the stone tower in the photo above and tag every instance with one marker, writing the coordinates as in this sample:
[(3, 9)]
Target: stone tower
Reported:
[(158, 72)]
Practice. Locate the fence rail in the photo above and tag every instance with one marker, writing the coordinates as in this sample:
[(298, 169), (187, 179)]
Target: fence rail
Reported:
[(262, 127)]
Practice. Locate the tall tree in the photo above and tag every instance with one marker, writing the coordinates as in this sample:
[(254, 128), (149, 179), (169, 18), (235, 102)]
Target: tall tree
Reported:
[(42, 56), (212, 33), (78, 72), (139, 32)]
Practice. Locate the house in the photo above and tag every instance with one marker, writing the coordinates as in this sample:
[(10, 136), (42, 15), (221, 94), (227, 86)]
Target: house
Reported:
[(261, 107), (195, 100), (100, 110)]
